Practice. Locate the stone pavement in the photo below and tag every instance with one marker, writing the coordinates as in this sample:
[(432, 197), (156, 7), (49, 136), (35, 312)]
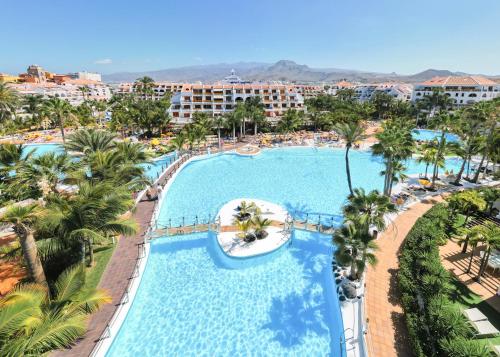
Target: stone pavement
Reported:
[(387, 334)]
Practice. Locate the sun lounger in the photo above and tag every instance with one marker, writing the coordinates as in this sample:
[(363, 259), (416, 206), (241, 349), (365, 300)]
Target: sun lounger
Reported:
[(484, 328), (475, 314), (496, 350)]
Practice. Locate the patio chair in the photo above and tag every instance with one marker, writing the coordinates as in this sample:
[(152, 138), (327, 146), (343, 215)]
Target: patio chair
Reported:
[(496, 350), (475, 314), (484, 328)]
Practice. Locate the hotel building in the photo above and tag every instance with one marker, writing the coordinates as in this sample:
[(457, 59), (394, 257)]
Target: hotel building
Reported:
[(219, 98), (464, 90), (399, 91)]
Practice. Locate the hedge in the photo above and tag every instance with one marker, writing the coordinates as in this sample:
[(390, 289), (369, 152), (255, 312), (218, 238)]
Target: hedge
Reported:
[(436, 327)]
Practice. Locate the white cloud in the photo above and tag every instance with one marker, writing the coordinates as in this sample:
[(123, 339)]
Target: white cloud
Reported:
[(104, 61)]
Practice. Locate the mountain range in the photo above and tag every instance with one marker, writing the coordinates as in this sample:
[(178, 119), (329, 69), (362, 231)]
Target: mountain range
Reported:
[(283, 70)]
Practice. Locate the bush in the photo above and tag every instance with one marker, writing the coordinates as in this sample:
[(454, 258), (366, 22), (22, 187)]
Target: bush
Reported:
[(435, 326)]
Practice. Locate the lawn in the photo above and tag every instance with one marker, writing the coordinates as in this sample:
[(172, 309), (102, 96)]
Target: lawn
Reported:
[(466, 299), (101, 258)]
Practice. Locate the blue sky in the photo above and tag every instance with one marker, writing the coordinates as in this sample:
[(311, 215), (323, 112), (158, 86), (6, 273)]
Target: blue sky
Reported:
[(376, 35)]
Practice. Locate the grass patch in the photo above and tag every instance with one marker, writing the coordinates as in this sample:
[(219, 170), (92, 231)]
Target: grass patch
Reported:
[(102, 255), (464, 298)]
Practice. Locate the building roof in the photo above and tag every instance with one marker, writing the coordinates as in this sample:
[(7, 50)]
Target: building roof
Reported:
[(459, 81), (344, 84)]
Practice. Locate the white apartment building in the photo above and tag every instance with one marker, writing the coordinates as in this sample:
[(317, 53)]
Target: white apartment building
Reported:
[(159, 89), (217, 99), (67, 91), (464, 90), (399, 91)]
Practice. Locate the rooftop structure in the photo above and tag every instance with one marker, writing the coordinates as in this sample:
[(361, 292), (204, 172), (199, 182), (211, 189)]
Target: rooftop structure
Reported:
[(463, 90), (233, 79)]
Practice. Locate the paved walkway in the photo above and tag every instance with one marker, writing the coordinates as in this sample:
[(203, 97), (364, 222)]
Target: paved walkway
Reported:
[(387, 334), (457, 262)]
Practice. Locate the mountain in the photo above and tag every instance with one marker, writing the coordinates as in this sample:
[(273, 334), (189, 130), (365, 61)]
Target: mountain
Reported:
[(283, 70)]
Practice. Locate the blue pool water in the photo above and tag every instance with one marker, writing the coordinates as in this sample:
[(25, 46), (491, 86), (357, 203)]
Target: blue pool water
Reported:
[(194, 301), (303, 180), (152, 169), (428, 135)]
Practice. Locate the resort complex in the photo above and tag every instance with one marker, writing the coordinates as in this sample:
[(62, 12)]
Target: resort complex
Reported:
[(173, 183)]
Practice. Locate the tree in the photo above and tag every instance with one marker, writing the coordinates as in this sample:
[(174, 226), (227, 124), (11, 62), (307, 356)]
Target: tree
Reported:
[(231, 121), (290, 121), (491, 111), (59, 111), (87, 141), (219, 122), (254, 110), (34, 322), (467, 202), (91, 216), (178, 143), (395, 144), (85, 90), (428, 155), (443, 122), (318, 119), (350, 132), (346, 94), (32, 105), (144, 86), (490, 233), (369, 209), (438, 100), (355, 246), (382, 103), (9, 100), (23, 220)]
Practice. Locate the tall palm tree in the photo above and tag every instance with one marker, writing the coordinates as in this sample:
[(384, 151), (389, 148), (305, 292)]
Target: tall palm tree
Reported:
[(428, 155), (85, 90), (231, 121), (34, 322), (491, 240), (398, 173), (255, 111), (443, 122), (91, 216), (355, 246), (219, 121), (350, 132), (290, 121), (395, 144), (144, 86), (59, 111), (9, 100), (370, 208), (436, 101), (492, 113), (23, 220)]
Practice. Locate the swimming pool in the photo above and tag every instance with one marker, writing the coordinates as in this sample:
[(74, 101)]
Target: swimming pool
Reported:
[(152, 169), (194, 301), (303, 180), (428, 135)]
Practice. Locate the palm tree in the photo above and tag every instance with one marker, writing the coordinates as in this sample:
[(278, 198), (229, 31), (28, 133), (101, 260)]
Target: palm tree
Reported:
[(355, 246), (255, 111), (85, 90), (398, 173), (59, 110), (466, 202), (9, 100), (429, 151), (290, 121), (32, 105), (491, 239), (178, 143), (443, 122), (12, 156), (370, 208), (91, 216), (23, 220), (395, 144), (318, 119), (34, 322), (144, 86), (48, 169), (491, 111), (260, 224), (240, 117), (437, 100), (218, 121), (231, 121), (87, 141), (473, 236), (134, 153), (350, 132)]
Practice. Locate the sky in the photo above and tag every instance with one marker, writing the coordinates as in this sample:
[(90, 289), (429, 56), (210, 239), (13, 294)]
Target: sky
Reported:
[(109, 36)]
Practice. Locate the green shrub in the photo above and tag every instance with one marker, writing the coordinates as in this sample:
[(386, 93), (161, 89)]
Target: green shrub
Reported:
[(435, 326)]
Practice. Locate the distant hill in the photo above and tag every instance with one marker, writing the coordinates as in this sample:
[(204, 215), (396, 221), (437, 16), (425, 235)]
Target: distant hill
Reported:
[(283, 70)]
